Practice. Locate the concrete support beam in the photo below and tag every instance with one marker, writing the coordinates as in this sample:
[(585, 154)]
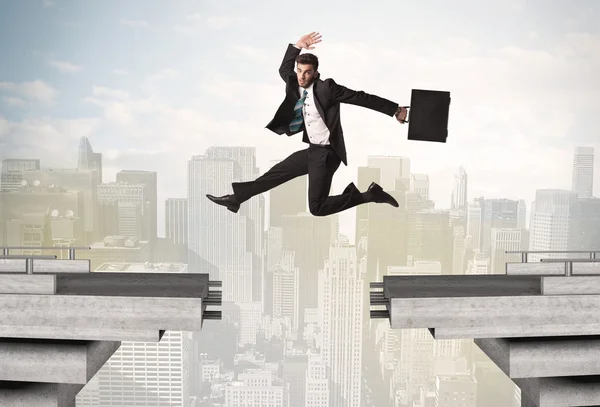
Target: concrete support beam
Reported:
[(561, 391), (544, 357), (27, 284), (571, 285), (518, 331), (442, 312), (61, 266), (139, 313), (13, 264), (76, 333), (535, 269), (53, 361), (552, 268), (21, 394)]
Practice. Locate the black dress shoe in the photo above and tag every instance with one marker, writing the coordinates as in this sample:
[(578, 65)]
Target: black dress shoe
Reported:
[(227, 201), (378, 195)]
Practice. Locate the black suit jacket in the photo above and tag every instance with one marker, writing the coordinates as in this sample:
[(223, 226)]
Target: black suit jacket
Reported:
[(328, 96)]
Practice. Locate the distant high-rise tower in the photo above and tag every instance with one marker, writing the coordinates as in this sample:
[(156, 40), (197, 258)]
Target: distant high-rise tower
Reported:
[(176, 220), (253, 209), (551, 217), (88, 160), (459, 193), (394, 171), (419, 184), (583, 172), (340, 299), (150, 200)]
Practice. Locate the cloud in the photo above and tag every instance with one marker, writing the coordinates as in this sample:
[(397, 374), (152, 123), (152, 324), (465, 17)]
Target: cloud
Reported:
[(43, 137), (13, 101), (134, 23), (65, 66), (102, 91), (242, 93), (196, 22), (254, 54), (167, 73), (220, 22), (194, 17), (48, 3), (36, 91)]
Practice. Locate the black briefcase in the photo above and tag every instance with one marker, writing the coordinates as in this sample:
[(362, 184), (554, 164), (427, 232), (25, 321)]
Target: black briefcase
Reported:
[(427, 115)]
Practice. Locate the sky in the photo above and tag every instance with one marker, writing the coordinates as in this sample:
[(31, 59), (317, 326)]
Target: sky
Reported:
[(152, 83)]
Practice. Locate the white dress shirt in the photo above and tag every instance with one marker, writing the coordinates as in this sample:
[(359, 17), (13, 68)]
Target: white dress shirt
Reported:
[(315, 126)]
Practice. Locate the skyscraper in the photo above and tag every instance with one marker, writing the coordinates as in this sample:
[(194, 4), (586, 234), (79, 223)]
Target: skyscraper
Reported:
[(583, 172), (215, 235), (503, 240), (150, 202), (309, 237), (419, 184), (393, 169), (341, 302), (551, 216), (253, 209), (87, 159), (176, 220), (459, 192)]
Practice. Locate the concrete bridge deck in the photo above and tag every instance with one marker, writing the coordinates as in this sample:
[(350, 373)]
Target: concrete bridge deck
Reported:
[(539, 322), (58, 329)]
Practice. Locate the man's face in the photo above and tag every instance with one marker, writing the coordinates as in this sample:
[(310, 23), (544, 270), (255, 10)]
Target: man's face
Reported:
[(306, 75)]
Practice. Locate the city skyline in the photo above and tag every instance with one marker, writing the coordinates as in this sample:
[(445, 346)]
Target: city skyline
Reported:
[(348, 228)]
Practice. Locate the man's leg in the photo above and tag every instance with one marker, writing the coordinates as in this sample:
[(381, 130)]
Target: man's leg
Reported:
[(323, 162), (293, 166)]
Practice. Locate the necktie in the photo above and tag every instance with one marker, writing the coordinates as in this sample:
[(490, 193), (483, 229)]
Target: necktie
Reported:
[(298, 119)]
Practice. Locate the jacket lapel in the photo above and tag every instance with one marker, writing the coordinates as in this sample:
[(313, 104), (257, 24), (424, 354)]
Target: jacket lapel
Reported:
[(317, 104), (294, 87)]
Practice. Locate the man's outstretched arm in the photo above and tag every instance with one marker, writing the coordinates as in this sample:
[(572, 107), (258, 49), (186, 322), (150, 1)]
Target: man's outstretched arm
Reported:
[(342, 94), (289, 59)]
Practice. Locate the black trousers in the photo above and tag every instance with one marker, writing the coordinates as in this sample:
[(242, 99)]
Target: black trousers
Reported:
[(320, 163)]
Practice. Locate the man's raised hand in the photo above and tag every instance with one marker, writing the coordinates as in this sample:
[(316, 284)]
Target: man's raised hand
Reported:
[(308, 40)]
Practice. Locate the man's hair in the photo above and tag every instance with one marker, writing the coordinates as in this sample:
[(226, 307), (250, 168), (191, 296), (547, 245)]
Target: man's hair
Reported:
[(308, 59)]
